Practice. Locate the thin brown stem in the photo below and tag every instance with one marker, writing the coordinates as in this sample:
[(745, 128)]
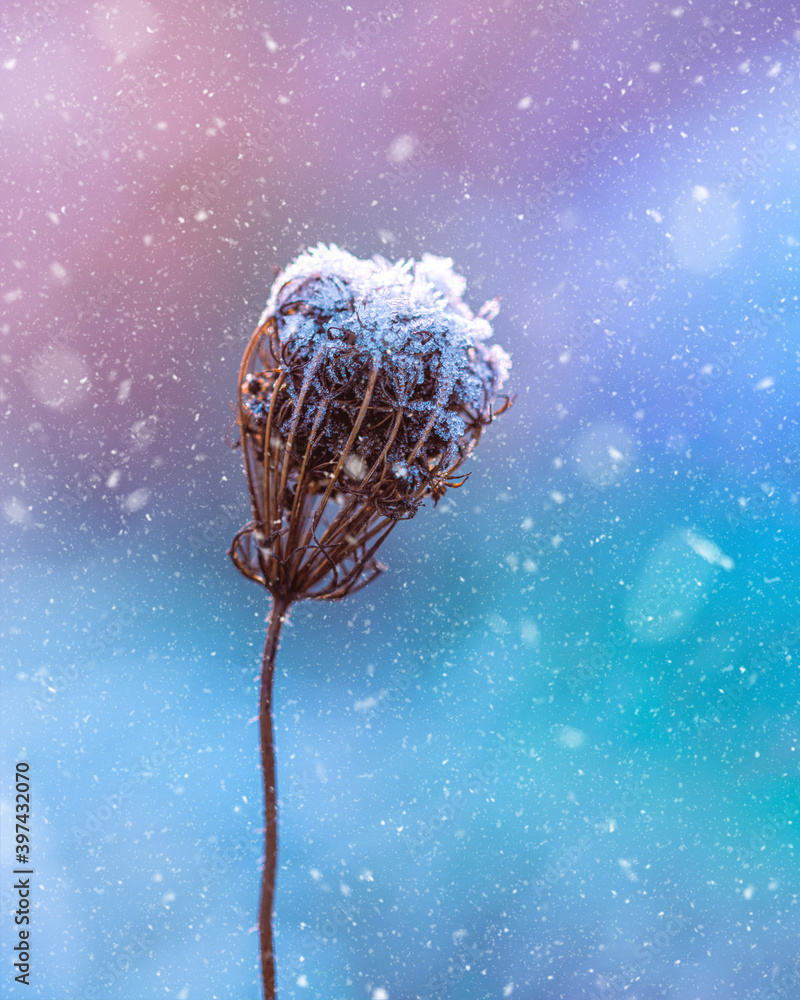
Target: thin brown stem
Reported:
[(343, 514), (358, 533), (280, 606), (300, 494), (373, 378), (243, 424), (270, 515)]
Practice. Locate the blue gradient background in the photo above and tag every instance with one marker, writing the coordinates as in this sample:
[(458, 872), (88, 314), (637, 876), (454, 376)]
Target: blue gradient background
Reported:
[(552, 752)]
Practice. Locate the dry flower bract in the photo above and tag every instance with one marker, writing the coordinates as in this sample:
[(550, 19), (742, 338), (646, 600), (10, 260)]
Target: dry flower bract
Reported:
[(363, 390)]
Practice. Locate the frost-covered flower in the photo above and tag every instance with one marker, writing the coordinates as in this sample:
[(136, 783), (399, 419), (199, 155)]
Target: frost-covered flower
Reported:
[(367, 384), (363, 390)]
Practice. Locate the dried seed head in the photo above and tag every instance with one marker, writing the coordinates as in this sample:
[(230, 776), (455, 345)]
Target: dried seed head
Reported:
[(364, 388)]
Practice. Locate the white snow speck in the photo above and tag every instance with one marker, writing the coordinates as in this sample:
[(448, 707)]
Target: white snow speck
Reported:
[(572, 738), (765, 383), (124, 390), (58, 378), (529, 632), (16, 511), (134, 502), (709, 551), (401, 148)]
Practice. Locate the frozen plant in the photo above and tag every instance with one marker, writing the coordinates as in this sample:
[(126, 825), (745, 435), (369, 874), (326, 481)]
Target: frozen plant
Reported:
[(363, 390)]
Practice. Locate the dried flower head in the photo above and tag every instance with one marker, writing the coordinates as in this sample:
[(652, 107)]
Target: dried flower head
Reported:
[(363, 390)]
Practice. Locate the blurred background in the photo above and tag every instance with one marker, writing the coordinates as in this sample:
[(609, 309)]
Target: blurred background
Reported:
[(553, 751)]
